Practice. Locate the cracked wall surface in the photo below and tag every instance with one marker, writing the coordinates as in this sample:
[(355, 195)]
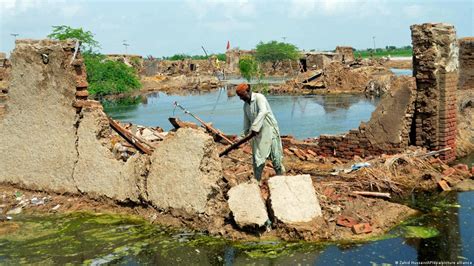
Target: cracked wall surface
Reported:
[(184, 172), (52, 137), (37, 134)]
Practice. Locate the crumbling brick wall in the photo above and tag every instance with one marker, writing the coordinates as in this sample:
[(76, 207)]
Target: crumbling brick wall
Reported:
[(387, 131), (435, 66)]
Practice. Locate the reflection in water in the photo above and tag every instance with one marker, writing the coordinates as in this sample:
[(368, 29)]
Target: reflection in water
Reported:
[(301, 116)]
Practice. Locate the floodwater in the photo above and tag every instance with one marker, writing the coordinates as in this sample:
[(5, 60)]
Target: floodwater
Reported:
[(443, 234), (300, 116), (402, 72)]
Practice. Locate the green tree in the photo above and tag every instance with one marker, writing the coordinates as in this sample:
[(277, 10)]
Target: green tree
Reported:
[(249, 67), (63, 32), (109, 77), (104, 76), (275, 52)]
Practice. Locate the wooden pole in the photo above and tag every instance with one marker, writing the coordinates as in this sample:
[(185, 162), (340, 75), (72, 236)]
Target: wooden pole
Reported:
[(236, 145), (206, 125), (373, 194), (129, 137)]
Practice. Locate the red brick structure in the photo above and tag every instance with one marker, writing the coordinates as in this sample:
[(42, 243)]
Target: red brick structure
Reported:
[(435, 67)]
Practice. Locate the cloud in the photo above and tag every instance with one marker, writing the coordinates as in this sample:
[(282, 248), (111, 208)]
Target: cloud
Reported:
[(354, 8), (233, 8), (62, 7), (413, 11)]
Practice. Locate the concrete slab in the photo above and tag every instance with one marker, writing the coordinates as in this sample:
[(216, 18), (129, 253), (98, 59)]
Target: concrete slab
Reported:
[(293, 199), (247, 206)]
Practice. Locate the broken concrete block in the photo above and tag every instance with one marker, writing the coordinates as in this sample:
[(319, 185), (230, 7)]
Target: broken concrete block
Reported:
[(247, 206), (293, 198), (184, 171)]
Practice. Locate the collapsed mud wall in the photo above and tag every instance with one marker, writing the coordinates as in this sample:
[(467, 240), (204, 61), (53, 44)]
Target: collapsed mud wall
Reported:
[(307, 61), (54, 138), (387, 131), (465, 98), (466, 63), (345, 54), (4, 79), (135, 61), (152, 67), (435, 66)]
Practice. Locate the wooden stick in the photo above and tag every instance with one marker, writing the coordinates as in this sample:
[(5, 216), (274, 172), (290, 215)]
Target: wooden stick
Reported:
[(129, 137), (206, 125), (236, 145), (373, 194)]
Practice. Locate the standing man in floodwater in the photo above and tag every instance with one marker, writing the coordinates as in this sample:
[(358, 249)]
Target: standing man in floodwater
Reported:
[(260, 122)]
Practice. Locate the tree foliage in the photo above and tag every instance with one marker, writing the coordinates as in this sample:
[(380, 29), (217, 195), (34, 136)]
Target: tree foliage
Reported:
[(276, 52), (249, 67), (63, 32), (109, 77), (177, 57), (104, 76)]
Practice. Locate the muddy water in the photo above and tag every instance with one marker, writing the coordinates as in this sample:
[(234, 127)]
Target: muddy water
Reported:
[(444, 233), (402, 72), (301, 116)]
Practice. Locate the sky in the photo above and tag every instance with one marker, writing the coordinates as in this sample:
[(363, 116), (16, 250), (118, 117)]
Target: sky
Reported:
[(166, 27)]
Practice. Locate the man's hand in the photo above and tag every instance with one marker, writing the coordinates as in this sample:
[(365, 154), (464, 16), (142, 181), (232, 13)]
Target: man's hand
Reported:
[(253, 133)]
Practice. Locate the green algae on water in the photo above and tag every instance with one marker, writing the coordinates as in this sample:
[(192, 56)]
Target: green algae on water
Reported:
[(420, 232)]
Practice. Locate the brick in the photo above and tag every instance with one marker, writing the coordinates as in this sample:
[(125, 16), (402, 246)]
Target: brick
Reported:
[(461, 167), (444, 186), (81, 81), (449, 171), (362, 228), (300, 154), (346, 221), (82, 93)]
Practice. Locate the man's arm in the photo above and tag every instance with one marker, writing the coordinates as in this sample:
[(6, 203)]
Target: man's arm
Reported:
[(246, 124), (262, 113)]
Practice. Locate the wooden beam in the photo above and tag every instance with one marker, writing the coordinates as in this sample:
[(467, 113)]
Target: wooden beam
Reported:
[(129, 137)]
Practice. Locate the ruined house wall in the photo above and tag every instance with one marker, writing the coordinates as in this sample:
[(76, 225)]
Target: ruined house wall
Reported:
[(180, 67), (387, 131), (51, 134), (53, 138), (466, 63), (345, 54), (5, 68), (37, 132), (465, 98), (435, 66), (135, 61)]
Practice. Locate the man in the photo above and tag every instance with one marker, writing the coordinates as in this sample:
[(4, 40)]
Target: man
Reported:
[(261, 123)]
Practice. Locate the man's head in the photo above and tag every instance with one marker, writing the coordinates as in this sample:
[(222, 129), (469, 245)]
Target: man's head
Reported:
[(243, 91)]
